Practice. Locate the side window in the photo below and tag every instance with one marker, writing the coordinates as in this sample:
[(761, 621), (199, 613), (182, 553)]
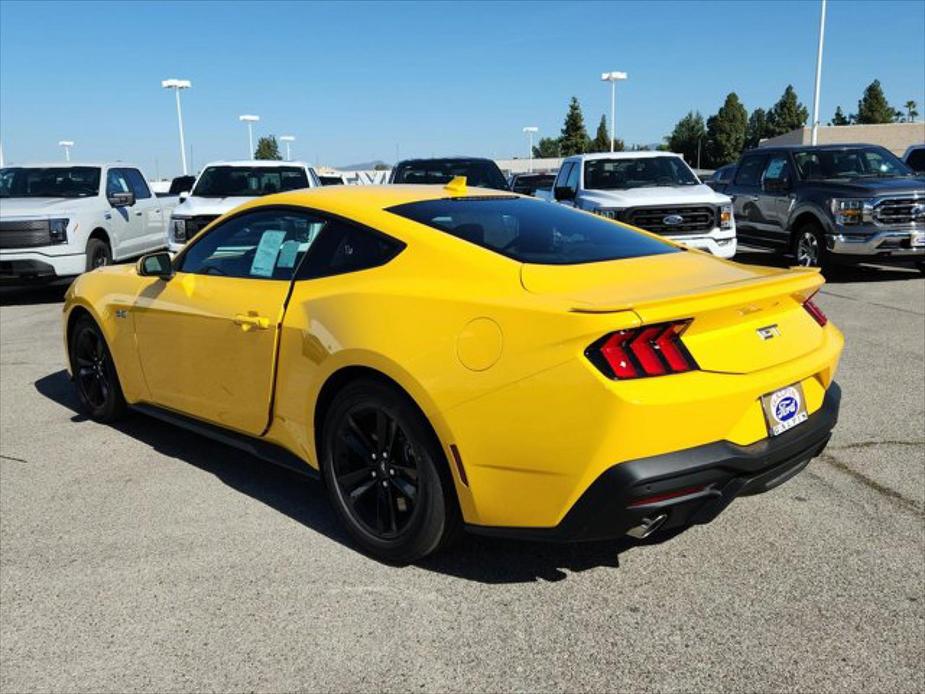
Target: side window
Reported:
[(561, 180), (266, 244), (116, 183), (749, 170), (138, 183), (916, 160), (777, 169), (808, 164), (343, 247), (572, 180)]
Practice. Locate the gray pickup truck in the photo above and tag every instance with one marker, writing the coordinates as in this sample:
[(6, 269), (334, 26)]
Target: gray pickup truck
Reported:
[(831, 204)]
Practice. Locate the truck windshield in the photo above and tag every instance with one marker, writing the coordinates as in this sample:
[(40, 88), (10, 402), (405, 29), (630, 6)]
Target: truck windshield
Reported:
[(854, 162), (479, 173), (52, 182), (533, 231), (644, 172), (248, 181)]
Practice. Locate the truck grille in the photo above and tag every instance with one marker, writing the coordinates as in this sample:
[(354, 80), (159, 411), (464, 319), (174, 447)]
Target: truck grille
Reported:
[(900, 210), (25, 234), (672, 220)]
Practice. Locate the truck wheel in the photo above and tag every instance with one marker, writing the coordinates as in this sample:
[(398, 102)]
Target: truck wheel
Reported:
[(386, 474), (809, 246), (94, 371), (98, 254)]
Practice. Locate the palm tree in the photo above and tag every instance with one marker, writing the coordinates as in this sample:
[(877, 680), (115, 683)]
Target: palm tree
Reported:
[(911, 113)]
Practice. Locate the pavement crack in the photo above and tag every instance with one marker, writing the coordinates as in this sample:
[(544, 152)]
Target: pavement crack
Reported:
[(871, 444), (871, 303), (15, 460), (891, 494)]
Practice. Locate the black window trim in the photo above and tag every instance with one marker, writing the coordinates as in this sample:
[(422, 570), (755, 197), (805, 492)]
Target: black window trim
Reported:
[(308, 211)]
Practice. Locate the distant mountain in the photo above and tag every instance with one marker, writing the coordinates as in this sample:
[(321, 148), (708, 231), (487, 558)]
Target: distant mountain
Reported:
[(365, 166)]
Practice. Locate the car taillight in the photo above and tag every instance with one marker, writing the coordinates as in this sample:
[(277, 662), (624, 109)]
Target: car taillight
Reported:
[(652, 350), (815, 311)]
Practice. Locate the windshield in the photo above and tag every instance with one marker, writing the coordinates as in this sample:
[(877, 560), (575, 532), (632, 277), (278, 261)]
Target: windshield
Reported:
[(856, 162), (57, 182), (248, 181), (644, 172), (533, 231), (479, 173)]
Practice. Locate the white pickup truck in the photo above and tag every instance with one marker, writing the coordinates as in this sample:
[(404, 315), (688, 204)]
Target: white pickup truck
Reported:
[(59, 220), (655, 191), (223, 185)]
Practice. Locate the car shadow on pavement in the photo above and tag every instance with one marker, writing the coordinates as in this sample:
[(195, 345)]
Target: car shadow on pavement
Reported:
[(30, 296), (836, 275), (473, 558)]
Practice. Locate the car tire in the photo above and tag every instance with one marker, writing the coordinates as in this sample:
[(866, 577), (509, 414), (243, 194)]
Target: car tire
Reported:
[(98, 254), (386, 473), (94, 373), (808, 246)]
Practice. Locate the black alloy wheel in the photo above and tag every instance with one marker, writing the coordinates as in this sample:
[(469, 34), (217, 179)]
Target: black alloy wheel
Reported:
[(386, 474), (94, 373)]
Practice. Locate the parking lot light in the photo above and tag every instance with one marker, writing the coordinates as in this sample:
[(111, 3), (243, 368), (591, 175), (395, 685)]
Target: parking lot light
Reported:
[(250, 120), (287, 139), (177, 85), (67, 144), (530, 130), (815, 130), (613, 78)]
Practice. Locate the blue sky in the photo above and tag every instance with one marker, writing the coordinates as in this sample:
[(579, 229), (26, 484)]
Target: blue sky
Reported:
[(356, 82)]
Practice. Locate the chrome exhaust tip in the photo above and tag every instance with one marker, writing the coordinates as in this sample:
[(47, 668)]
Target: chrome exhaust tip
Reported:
[(647, 527)]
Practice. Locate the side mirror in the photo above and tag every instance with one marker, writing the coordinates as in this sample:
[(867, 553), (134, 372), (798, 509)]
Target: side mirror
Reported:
[(157, 264), (121, 199), (183, 195), (564, 193)]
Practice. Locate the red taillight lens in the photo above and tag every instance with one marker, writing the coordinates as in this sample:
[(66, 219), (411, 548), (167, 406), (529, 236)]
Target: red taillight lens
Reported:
[(653, 350), (815, 311)]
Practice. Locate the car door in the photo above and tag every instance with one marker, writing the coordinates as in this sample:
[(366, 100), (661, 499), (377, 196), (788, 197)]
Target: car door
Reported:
[(744, 192), (207, 337), (775, 198), (152, 229), (124, 224)]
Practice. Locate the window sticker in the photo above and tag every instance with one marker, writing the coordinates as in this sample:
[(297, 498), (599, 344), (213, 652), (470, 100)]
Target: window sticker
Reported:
[(287, 254), (267, 252)]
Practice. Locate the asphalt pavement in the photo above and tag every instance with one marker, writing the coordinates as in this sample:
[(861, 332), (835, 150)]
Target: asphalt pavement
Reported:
[(143, 558)]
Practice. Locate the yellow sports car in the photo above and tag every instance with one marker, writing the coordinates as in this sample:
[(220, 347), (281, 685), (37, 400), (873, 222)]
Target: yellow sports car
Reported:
[(450, 358)]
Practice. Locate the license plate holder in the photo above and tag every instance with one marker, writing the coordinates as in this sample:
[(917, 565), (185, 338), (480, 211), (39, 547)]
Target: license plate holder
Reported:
[(784, 409)]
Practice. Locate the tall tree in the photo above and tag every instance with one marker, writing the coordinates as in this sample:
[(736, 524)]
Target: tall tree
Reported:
[(873, 106), (547, 148), (687, 136), (911, 113), (601, 141), (840, 118), (574, 138), (787, 114), (726, 132), (267, 148), (757, 128)]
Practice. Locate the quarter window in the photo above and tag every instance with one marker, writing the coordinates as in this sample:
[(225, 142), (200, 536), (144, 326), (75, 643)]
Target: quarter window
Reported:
[(344, 247)]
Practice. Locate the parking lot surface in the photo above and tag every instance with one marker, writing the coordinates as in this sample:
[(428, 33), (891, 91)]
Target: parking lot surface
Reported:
[(141, 557)]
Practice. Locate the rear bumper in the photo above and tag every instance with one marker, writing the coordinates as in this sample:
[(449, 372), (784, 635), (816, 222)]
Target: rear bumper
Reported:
[(695, 484)]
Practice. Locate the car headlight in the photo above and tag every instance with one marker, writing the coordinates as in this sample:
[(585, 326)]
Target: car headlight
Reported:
[(725, 217), (610, 213), (57, 230), (178, 228), (849, 211)]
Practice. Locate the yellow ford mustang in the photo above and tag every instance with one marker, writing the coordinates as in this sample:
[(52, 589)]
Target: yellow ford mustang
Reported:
[(450, 358)]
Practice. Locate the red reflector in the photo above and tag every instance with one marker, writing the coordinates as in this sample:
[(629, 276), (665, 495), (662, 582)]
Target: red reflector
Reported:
[(653, 350), (815, 311), (667, 495)]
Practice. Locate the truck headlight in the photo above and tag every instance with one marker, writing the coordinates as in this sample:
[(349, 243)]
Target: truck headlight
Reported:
[(57, 230), (178, 228), (848, 211), (725, 217), (610, 213)]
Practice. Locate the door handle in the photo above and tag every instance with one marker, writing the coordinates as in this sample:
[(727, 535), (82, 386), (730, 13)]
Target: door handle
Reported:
[(754, 198), (250, 322), (138, 214)]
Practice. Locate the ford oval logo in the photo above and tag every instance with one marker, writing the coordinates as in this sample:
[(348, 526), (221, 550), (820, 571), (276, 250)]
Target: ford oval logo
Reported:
[(673, 220), (918, 213)]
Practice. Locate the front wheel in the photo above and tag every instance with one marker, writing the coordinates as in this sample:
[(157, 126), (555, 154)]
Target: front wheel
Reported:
[(809, 247), (94, 373), (98, 254), (386, 474)]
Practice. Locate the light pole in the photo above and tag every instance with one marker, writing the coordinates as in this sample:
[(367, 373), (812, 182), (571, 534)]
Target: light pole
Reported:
[(530, 130), (287, 139), (250, 120), (177, 85), (818, 74), (613, 78), (67, 144)]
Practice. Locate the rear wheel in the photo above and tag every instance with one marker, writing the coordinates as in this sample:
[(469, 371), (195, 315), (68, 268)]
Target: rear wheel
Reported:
[(94, 372), (386, 474), (98, 254)]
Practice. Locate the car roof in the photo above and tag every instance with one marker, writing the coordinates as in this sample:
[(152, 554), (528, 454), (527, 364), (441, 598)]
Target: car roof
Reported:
[(72, 164), (642, 154), (433, 159), (257, 163), (812, 148)]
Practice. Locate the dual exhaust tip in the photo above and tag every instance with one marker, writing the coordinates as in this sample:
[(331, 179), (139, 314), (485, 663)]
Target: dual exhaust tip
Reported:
[(647, 527)]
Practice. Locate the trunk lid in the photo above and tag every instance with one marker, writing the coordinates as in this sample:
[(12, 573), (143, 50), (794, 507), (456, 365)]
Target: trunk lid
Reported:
[(727, 303)]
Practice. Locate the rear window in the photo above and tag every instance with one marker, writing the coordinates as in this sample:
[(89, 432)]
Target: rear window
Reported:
[(479, 173), (533, 231)]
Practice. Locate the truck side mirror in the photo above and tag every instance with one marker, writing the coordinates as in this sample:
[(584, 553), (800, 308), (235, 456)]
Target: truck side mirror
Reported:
[(158, 265), (121, 199), (184, 195), (564, 193)]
